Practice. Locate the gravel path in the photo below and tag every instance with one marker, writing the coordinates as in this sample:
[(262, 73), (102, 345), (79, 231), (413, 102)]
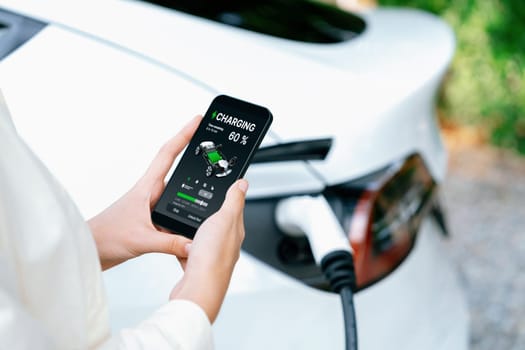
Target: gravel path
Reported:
[(484, 196)]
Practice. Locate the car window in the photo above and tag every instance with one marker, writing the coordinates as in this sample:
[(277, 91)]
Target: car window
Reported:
[(3, 30), (299, 20), (15, 30)]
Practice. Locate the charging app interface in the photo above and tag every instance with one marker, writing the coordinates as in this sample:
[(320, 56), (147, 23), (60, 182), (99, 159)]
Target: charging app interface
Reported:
[(213, 160)]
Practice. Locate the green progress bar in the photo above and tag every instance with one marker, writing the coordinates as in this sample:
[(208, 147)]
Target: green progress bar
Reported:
[(186, 197)]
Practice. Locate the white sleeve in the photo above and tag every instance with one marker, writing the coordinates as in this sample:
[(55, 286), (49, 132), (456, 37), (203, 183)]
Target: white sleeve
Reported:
[(18, 329), (178, 325)]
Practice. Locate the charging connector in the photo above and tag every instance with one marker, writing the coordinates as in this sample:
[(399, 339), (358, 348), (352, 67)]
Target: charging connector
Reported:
[(313, 217)]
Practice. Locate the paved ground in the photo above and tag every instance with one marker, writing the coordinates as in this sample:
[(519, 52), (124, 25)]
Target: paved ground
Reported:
[(485, 200)]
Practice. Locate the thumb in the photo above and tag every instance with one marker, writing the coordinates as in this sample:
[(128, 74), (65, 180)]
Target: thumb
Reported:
[(160, 242), (235, 197)]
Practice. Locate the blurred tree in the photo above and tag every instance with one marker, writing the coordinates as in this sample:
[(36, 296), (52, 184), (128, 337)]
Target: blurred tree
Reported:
[(486, 85)]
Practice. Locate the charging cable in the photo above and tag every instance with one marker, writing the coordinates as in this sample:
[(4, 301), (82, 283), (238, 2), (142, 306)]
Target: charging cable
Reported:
[(313, 217)]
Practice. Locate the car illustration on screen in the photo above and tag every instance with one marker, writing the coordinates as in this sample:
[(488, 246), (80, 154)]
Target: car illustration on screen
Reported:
[(216, 161)]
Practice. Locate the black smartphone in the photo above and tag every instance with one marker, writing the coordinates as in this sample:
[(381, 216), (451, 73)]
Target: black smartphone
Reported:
[(218, 154)]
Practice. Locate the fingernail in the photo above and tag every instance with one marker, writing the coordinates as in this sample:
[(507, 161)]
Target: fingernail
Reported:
[(243, 185), (187, 247)]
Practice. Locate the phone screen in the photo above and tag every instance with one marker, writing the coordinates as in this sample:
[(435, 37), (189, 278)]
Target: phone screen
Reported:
[(218, 154)]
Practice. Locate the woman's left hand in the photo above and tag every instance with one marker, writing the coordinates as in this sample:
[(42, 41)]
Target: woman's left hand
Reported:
[(125, 230)]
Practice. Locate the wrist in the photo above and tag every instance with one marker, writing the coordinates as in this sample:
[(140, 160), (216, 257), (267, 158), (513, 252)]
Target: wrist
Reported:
[(208, 293), (97, 232)]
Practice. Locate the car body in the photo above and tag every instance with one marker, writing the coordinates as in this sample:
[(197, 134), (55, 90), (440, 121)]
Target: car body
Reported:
[(99, 85)]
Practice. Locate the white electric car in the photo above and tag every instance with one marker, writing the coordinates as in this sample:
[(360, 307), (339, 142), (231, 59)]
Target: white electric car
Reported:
[(95, 87)]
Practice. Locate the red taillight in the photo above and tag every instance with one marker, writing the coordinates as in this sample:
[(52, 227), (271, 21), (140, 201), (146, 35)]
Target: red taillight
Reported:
[(384, 223), (382, 213)]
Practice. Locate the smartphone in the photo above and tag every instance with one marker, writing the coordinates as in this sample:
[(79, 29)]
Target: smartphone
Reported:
[(218, 154)]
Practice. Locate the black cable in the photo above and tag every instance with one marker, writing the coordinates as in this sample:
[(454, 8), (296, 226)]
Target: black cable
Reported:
[(338, 268), (347, 298)]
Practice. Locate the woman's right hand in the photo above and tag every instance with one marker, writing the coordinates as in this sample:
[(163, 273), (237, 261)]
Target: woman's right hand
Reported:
[(213, 254)]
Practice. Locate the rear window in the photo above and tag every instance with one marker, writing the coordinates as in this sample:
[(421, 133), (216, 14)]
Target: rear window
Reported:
[(3, 29), (15, 30), (299, 20)]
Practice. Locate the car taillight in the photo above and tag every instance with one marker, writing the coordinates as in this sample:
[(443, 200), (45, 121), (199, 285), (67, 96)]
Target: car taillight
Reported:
[(382, 213)]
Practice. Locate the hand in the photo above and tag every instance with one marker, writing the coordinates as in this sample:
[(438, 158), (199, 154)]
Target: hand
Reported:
[(125, 230), (213, 254)]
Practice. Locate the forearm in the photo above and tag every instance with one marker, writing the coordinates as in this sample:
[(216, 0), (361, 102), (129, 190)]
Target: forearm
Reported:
[(207, 291)]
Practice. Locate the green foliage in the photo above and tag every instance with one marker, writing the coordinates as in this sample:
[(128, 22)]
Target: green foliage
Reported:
[(486, 85)]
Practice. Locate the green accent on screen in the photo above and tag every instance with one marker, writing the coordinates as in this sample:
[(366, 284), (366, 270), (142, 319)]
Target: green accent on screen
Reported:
[(214, 114), (214, 157), (186, 197)]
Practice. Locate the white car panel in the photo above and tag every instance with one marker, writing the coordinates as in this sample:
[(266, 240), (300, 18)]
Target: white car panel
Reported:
[(98, 116), (93, 114), (73, 129)]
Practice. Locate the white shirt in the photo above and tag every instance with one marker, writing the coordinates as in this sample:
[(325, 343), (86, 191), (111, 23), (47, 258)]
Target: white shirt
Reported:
[(51, 292)]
